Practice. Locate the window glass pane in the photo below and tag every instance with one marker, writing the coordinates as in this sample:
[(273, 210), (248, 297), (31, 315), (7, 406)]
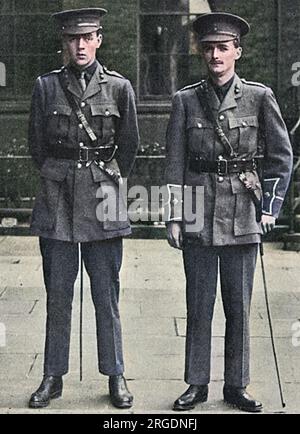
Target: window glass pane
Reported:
[(8, 89), (29, 43), (27, 37), (163, 34), (6, 6), (26, 6), (165, 42), (50, 6), (164, 6), (162, 74), (34, 34), (176, 5), (6, 35), (26, 70)]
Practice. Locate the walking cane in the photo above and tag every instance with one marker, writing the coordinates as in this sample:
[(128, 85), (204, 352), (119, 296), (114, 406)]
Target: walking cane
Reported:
[(261, 250), (81, 314)]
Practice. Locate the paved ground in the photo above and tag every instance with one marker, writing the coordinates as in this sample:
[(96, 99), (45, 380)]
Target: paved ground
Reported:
[(153, 313)]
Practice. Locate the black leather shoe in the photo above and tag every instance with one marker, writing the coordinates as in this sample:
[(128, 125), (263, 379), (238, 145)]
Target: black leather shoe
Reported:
[(240, 398), (50, 388), (192, 396), (119, 393)]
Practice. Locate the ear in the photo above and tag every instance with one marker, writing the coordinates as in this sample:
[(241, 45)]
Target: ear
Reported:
[(100, 39), (239, 51)]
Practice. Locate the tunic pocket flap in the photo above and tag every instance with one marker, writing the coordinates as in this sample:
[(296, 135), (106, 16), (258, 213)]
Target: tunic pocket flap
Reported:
[(105, 110), (54, 170), (199, 123), (247, 121), (55, 109)]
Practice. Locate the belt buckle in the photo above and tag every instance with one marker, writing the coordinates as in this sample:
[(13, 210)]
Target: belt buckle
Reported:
[(83, 154), (222, 167)]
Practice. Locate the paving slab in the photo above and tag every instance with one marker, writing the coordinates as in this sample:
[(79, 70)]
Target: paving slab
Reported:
[(153, 312)]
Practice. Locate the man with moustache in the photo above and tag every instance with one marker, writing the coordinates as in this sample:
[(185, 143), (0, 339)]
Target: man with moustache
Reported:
[(222, 133), (83, 138)]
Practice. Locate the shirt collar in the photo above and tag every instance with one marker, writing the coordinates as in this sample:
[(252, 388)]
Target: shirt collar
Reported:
[(89, 71)]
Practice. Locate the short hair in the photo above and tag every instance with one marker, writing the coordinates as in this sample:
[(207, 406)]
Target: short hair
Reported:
[(236, 42)]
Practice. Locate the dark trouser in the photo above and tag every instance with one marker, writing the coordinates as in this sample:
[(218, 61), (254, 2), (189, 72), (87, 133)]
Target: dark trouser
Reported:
[(237, 266), (102, 260)]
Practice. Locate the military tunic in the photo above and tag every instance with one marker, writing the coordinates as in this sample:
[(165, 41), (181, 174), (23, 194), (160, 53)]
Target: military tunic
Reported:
[(250, 117), (67, 204)]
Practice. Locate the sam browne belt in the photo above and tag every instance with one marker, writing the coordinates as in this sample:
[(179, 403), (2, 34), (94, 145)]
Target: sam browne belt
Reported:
[(222, 166), (83, 154)]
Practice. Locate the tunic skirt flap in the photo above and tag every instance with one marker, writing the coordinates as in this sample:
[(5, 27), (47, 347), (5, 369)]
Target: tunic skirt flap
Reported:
[(54, 170)]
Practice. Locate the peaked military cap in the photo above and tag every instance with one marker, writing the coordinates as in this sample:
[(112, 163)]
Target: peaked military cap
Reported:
[(220, 27), (79, 21)]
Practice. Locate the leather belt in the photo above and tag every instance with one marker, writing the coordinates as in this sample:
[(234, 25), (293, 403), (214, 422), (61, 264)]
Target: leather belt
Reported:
[(83, 154), (222, 166)]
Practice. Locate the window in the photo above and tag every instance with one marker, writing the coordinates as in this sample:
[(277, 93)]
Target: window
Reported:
[(167, 58), (29, 43)]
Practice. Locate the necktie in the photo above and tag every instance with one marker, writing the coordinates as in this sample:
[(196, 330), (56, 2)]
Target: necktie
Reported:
[(82, 81)]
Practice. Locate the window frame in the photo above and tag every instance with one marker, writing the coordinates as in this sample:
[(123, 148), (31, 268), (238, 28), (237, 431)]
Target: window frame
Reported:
[(12, 95), (154, 100)]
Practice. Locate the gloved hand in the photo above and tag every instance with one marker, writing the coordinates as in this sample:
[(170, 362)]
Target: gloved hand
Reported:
[(267, 223), (174, 233)]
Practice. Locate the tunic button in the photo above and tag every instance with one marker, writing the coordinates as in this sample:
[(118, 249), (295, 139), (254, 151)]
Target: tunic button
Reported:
[(107, 112), (267, 194), (220, 179), (199, 125), (81, 144), (80, 126), (79, 165), (244, 124), (55, 112), (82, 104), (221, 117)]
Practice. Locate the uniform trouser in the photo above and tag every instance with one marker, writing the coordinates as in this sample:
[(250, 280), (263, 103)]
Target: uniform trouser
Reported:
[(102, 260), (237, 266)]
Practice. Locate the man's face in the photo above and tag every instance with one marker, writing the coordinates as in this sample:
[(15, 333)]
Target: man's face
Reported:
[(82, 49), (220, 57)]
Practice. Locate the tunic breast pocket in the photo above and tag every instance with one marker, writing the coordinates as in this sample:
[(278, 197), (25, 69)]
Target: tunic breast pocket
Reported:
[(200, 135), (58, 122), (246, 129), (104, 121)]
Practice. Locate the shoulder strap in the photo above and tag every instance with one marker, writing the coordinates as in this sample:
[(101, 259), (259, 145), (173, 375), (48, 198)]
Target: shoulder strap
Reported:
[(202, 95), (75, 106)]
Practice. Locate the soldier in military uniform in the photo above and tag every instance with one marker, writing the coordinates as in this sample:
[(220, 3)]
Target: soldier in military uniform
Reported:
[(83, 137), (219, 131)]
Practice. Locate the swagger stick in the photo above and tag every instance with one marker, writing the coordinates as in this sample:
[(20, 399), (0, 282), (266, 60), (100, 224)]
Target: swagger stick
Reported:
[(81, 315), (261, 250)]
